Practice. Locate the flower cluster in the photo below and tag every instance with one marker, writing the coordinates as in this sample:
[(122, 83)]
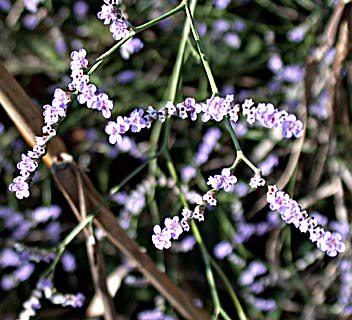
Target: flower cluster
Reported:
[(87, 92), (53, 113), (45, 286), (113, 15), (328, 242), (270, 117), (174, 227), (215, 108), (29, 162)]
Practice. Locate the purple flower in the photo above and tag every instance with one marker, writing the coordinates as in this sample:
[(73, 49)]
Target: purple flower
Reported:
[(24, 272), (87, 94), (291, 73), (78, 59), (233, 40), (136, 120), (103, 104), (161, 238), (224, 181), (20, 187), (266, 167), (131, 46), (32, 5), (80, 9), (173, 227), (193, 108), (43, 214), (30, 21), (68, 262), (221, 4), (116, 129), (331, 243), (53, 114), (297, 34), (292, 127), (107, 14), (188, 173), (126, 76), (119, 29), (222, 249), (26, 165), (275, 63)]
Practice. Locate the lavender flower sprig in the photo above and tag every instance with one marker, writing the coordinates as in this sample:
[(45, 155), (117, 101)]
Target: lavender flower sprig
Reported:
[(291, 213)]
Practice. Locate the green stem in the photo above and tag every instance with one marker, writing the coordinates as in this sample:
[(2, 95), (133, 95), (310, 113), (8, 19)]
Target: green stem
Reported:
[(229, 288), (239, 153), (134, 32), (61, 247), (201, 53)]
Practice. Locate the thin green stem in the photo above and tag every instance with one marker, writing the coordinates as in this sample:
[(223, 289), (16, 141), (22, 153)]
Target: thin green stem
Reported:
[(229, 288), (201, 53), (135, 31), (61, 247)]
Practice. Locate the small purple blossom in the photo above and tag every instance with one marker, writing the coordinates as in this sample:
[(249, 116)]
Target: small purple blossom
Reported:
[(116, 129), (224, 181), (331, 243), (107, 13), (119, 29), (223, 249), (292, 127), (133, 45), (103, 104), (20, 187), (161, 238), (173, 226)]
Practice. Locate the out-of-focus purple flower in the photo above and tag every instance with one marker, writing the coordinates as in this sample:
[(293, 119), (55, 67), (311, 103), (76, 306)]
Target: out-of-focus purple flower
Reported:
[(297, 34), (24, 272), (221, 4), (43, 214), (80, 9), (233, 40), (329, 56), (188, 173), (133, 45), (266, 167), (291, 73), (127, 76), (53, 231), (5, 5), (221, 25), (239, 25), (8, 282), (319, 108), (185, 245), (265, 304), (275, 63), (30, 21), (32, 5), (223, 249), (201, 28), (9, 258), (22, 230), (241, 189), (68, 262), (154, 315)]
